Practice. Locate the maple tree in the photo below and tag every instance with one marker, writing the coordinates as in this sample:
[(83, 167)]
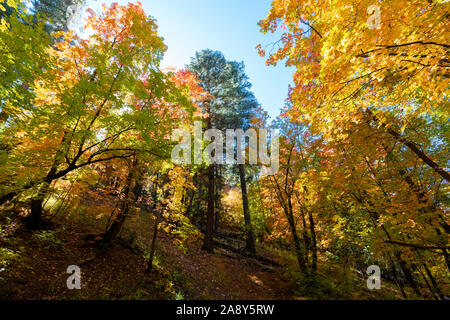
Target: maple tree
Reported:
[(103, 106), (390, 75), (376, 99)]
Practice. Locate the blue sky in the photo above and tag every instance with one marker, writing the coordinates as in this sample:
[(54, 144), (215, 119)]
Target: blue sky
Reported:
[(229, 26)]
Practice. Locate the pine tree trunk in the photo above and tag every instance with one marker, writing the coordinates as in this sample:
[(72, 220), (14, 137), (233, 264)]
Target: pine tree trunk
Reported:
[(250, 239), (209, 234), (216, 220)]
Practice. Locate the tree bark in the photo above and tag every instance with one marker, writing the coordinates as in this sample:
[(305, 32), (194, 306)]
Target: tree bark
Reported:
[(433, 281), (396, 279), (36, 204), (250, 238), (313, 245), (152, 247), (413, 147), (298, 247), (34, 218), (408, 274), (216, 220), (208, 244), (216, 202), (36, 212), (116, 226), (189, 206), (209, 234)]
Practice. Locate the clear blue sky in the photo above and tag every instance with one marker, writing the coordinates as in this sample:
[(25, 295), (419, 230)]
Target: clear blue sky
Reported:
[(229, 26)]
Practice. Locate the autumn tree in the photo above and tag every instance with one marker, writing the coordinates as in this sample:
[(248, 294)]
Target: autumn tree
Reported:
[(105, 98), (285, 192), (388, 75), (374, 88)]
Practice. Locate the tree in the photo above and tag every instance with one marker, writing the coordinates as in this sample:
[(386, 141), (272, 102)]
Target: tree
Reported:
[(243, 104), (376, 99), (22, 61), (106, 98), (58, 12), (228, 105), (355, 73), (298, 154), (208, 66)]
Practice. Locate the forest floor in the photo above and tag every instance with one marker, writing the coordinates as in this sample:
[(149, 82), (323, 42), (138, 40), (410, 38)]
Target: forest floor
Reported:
[(33, 265)]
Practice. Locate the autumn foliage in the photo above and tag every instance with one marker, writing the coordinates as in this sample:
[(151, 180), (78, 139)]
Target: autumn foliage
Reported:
[(85, 137)]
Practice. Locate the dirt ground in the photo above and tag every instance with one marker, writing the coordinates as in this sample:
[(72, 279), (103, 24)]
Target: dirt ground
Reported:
[(38, 263)]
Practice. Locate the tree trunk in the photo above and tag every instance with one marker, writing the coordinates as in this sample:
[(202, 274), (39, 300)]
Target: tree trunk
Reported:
[(208, 244), (298, 249), (433, 281), (313, 244), (297, 244), (189, 206), (413, 147), (33, 220), (250, 239), (209, 234), (35, 216), (137, 191), (408, 274), (152, 247), (36, 204), (447, 258), (216, 202), (7, 197), (116, 226), (216, 220), (428, 285), (396, 279)]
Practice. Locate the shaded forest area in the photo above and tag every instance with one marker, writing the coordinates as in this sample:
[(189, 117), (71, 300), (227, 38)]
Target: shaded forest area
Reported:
[(87, 176)]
